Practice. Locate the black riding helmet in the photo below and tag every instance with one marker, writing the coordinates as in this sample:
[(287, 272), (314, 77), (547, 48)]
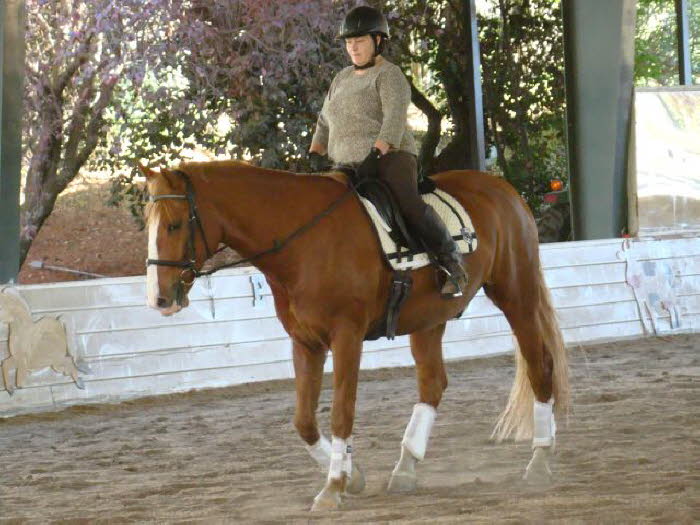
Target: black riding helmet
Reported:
[(365, 20)]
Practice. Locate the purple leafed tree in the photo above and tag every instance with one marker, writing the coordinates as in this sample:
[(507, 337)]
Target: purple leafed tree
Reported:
[(77, 52)]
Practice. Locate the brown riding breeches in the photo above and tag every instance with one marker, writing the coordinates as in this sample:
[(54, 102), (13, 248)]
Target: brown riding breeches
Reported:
[(399, 170)]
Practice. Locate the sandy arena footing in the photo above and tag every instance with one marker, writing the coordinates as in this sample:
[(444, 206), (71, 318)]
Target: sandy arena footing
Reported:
[(629, 453)]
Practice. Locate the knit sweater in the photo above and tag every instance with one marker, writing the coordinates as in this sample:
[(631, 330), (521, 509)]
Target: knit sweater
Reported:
[(361, 109)]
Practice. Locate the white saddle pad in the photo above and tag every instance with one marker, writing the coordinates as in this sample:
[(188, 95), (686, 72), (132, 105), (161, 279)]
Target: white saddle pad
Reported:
[(450, 211)]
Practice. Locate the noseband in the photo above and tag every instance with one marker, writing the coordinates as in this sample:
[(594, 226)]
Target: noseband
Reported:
[(195, 224)]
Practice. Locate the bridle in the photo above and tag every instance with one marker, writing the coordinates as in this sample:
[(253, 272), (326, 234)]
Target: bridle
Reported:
[(195, 224)]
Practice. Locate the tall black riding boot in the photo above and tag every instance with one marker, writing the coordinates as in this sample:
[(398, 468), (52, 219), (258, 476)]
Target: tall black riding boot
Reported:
[(438, 240)]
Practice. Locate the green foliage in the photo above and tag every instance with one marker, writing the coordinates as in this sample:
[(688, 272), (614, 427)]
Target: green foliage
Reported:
[(656, 52), (522, 73), (524, 97), (656, 45), (694, 30)]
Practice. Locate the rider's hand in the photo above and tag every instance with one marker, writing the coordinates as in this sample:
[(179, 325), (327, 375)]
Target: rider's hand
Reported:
[(370, 166), (317, 162), (382, 146)]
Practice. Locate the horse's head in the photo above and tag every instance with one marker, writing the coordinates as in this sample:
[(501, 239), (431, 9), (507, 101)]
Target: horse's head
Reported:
[(12, 308), (172, 244)]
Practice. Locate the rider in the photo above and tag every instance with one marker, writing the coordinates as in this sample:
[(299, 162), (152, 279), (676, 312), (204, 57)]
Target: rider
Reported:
[(363, 123)]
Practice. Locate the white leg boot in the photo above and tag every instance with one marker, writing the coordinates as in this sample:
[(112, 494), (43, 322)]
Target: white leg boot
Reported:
[(413, 447), (321, 454), (545, 428), (340, 474)]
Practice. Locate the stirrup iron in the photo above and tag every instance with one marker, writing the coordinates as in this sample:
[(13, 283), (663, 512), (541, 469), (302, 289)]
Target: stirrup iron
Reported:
[(454, 280)]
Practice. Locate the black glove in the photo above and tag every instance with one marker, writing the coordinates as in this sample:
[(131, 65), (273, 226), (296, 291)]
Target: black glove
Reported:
[(370, 166), (317, 162)]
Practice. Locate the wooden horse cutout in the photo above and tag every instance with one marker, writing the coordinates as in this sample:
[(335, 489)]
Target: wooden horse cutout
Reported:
[(330, 287), (34, 344)]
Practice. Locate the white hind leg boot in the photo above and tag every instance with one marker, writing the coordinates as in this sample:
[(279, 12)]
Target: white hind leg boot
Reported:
[(538, 471), (413, 447), (545, 428)]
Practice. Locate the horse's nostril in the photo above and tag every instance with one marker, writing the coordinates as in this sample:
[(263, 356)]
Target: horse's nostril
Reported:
[(162, 303)]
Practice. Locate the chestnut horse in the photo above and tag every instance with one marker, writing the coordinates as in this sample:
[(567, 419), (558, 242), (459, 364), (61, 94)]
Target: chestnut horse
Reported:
[(317, 249)]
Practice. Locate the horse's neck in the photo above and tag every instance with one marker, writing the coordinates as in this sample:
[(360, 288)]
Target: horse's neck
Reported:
[(259, 210)]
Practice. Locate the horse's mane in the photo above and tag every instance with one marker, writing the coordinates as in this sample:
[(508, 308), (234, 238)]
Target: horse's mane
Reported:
[(199, 168), (228, 163)]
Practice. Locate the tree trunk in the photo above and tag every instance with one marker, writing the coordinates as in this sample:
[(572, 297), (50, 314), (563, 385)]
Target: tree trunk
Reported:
[(453, 74), (426, 156), (58, 158), (38, 207)]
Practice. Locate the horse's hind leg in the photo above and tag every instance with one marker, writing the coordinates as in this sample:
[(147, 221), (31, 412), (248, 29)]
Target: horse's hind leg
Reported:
[(539, 365), (426, 347), (67, 367), (541, 374)]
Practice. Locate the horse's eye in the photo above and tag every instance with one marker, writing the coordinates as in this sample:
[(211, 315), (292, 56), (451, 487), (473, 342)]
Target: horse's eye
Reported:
[(174, 226)]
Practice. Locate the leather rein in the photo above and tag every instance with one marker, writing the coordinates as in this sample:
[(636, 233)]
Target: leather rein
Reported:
[(195, 224)]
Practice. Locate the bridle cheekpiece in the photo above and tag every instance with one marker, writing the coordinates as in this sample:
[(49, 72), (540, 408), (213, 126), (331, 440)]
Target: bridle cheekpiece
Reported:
[(188, 264)]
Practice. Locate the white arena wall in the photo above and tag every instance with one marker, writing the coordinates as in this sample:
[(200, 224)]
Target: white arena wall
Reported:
[(227, 336)]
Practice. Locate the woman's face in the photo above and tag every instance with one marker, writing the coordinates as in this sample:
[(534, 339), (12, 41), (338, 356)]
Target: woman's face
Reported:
[(360, 49)]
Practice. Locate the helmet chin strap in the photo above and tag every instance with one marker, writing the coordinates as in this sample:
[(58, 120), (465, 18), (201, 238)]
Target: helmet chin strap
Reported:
[(372, 60)]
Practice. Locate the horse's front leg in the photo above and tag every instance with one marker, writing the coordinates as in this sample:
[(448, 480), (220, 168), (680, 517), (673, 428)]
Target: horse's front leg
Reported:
[(347, 347), (426, 347), (7, 364), (308, 373)]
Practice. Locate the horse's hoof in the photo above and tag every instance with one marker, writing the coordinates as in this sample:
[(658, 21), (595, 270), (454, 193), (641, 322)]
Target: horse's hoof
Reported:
[(79, 383), (326, 500), (357, 481), (538, 473), (401, 483)]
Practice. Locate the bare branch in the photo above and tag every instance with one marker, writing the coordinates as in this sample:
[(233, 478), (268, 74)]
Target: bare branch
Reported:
[(96, 121), (80, 57)]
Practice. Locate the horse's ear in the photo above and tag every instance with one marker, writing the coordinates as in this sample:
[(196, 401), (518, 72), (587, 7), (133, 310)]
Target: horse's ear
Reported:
[(147, 172)]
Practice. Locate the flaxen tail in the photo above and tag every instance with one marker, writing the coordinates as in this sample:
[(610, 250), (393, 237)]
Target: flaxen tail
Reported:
[(517, 418)]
